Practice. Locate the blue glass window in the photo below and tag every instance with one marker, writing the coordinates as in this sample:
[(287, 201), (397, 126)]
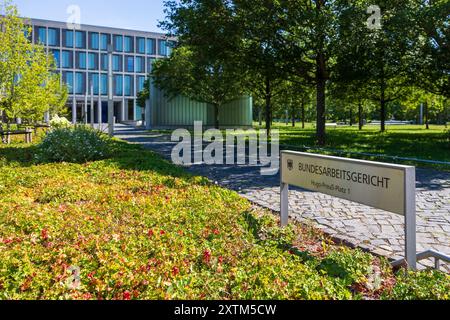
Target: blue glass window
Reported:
[(68, 38), (93, 61), (93, 41), (53, 37), (140, 45), (118, 85), (105, 62), (104, 84), (128, 85), (117, 63), (57, 58), (118, 43), (94, 81), (169, 47), (41, 35), (104, 41), (129, 63), (80, 83), (151, 46), (128, 44), (162, 48), (81, 60), (140, 65), (140, 83), (68, 80), (80, 40), (67, 59)]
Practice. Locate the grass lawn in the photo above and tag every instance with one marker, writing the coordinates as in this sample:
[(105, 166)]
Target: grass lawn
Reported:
[(137, 227), (409, 141)]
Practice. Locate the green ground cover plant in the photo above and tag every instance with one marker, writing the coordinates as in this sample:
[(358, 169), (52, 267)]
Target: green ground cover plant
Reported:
[(137, 227)]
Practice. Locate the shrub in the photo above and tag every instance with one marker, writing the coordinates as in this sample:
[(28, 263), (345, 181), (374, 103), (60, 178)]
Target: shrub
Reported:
[(60, 122), (78, 144)]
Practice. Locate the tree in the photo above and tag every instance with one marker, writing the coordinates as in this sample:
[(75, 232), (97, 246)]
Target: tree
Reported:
[(433, 106), (29, 85), (378, 60), (431, 71), (260, 27), (310, 31), (295, 100), (207, 49), (351, 93), (185, 73)]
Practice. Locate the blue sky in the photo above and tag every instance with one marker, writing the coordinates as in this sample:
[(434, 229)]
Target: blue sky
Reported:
[(129, 14)]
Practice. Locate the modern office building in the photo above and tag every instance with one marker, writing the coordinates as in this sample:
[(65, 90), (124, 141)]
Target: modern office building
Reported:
[(82, 60)]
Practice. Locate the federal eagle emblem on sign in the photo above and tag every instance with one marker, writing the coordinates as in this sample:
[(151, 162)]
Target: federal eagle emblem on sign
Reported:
[(290, 165)]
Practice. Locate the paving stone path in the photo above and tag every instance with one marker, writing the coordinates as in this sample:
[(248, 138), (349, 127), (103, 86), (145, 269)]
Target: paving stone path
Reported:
[(371, 229)]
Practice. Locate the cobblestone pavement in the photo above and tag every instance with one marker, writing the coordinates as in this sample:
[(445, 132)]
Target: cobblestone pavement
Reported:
[(371, 229)]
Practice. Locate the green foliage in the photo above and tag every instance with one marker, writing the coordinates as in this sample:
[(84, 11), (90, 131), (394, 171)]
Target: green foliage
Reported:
[(29, 87), (138, 227), (430, 70), (352, 266), (204, 65), (144, 94), (423, 285), (77, 145)]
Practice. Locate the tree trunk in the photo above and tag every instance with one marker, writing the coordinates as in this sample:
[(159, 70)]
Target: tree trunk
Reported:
[(260, 112), (268, 107), (1, 125), (351, 118), (383, 115), (445, 113), (360, 116), (321, 112), (216, 116), (382, 93), (321, 80), (427, 120), (303, 115), (293, 116)]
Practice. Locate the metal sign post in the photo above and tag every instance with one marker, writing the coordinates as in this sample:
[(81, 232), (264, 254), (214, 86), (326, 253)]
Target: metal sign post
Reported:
[(384, 186), (410, 219)]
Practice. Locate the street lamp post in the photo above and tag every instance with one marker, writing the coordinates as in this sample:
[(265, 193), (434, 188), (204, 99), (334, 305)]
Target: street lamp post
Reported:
[(92, 105), (148, 105), (85, 108), (110, 93)]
